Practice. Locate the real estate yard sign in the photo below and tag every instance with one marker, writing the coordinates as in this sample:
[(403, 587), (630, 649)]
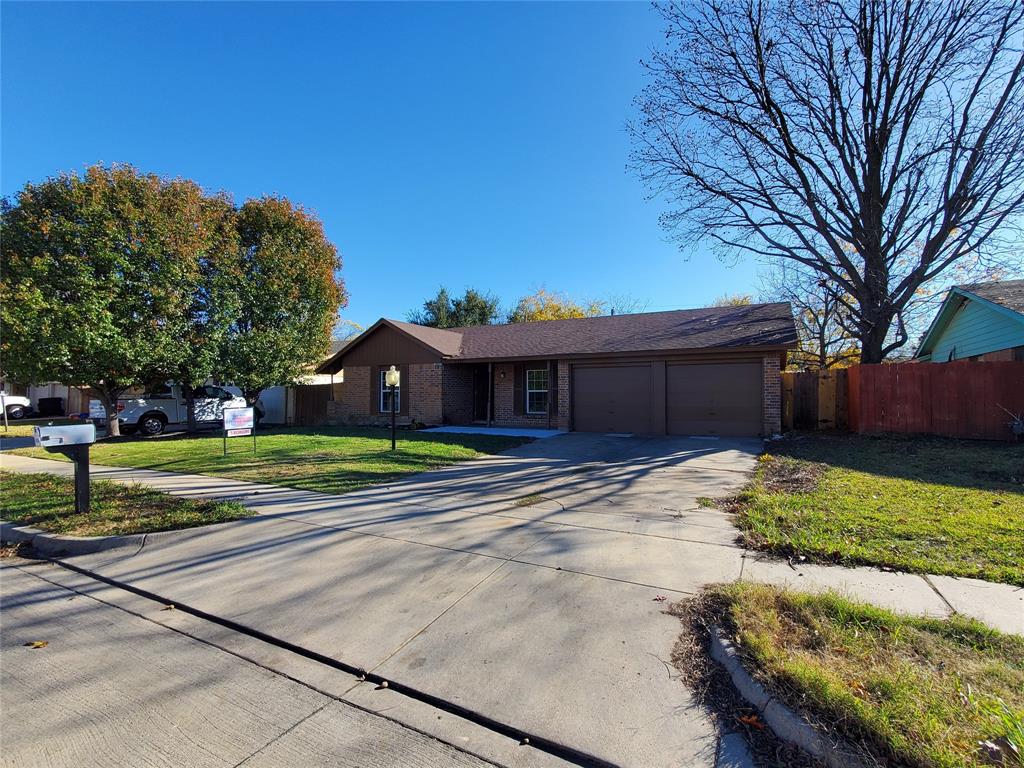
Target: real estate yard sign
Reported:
[(239, 422)]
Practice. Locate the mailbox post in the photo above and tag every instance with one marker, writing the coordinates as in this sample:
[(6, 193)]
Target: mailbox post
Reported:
[(73, 441)]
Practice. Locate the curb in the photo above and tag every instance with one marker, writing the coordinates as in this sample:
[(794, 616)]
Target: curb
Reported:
[(784, 722), (51, 544)]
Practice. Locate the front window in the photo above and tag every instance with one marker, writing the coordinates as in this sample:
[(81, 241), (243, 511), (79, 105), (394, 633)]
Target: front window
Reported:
[(537, 390), (385, 395)]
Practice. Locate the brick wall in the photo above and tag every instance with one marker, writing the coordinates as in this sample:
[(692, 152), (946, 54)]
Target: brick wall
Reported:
[(422, 387), (561, 419), (505, 406), (772, 404), (457, 394)]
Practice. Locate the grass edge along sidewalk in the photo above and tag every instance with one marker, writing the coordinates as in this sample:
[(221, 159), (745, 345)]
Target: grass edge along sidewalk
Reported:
[(324, 459), (923, 505), (922, 692), (47, 502)]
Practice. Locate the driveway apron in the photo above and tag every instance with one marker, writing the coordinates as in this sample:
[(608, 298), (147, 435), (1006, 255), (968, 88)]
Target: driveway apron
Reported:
[(526, 587)]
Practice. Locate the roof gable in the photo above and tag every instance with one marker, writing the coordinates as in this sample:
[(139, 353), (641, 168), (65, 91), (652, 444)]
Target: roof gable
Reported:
[(435, 343), (988, 311)]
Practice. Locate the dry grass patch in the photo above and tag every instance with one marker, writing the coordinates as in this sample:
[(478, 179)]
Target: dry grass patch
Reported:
[(919, 692)]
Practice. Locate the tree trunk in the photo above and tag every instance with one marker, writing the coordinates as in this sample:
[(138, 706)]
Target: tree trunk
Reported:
[(109, 400), (872, 342), (190, 408)]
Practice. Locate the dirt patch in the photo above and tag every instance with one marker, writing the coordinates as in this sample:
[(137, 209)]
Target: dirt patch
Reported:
[(528, 501), (713, 688), (786, 475)]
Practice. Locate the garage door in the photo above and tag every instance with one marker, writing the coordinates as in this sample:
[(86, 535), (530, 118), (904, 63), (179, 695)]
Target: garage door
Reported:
[(612, 398), (713, 399)]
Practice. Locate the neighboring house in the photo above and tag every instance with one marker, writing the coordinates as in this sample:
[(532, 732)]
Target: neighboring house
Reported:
[(982, 321), (711, 371)]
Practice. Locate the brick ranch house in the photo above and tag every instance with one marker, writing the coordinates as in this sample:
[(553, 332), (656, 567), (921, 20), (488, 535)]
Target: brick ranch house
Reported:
[(712, 371)]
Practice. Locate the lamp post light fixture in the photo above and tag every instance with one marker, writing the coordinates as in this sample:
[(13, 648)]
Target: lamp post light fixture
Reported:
[(392, 378)]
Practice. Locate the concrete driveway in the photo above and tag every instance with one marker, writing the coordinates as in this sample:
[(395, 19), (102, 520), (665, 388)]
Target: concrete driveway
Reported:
[(522, 586)]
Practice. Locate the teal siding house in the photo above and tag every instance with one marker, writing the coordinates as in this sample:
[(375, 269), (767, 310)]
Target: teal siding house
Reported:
[(982, 321)]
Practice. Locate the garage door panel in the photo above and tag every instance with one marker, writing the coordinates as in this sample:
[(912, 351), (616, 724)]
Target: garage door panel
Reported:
[(612, 398), (714, 399)]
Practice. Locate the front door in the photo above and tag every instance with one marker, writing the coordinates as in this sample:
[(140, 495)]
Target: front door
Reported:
[(480, 386)]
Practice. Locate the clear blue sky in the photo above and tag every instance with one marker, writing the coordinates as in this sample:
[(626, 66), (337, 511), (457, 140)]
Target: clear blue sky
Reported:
[(460, 144)]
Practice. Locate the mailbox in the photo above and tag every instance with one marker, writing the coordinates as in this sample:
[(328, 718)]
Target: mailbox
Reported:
[(55, 438), (73, 440)]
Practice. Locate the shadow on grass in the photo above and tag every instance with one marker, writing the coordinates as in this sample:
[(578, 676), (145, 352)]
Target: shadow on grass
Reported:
[(979, 464)]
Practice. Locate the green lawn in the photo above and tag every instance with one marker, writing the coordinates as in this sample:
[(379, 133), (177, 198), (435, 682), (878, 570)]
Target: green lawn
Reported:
[(23, 427), (48, 502), (923, 505), (327, 459), (916, 692)]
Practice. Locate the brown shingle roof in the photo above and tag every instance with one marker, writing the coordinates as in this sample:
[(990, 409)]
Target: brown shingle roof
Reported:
[(445, 341), (686, 329), (1007, 293), (754, 325)]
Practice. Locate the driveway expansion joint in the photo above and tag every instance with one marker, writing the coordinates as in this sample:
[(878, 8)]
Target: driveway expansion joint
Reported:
[(564, 752)]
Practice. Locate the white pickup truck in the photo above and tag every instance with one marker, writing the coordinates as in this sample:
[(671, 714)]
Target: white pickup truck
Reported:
[(164, 405), (17, 406)]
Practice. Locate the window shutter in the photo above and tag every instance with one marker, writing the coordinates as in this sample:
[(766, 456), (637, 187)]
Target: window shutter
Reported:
[(518, 390), (404, 389)]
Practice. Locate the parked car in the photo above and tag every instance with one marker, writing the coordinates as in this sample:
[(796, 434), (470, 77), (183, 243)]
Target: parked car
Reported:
[(164, 406), (17, 406)]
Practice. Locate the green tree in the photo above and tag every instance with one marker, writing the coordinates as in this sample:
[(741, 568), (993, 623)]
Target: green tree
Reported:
[(442, 311), (543, 304), (99, 272), (287, 297), (213, 302)]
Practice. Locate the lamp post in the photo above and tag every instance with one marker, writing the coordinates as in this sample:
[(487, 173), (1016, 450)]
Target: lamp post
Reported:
[(391, 378)]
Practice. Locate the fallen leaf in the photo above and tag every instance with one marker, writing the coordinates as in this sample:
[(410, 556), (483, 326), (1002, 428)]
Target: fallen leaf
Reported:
[(37, 644), (752, 720), (660, 599)]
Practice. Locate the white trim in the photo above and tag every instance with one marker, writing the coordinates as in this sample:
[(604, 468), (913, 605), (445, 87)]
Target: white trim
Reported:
[(528, 390), (385, 388)]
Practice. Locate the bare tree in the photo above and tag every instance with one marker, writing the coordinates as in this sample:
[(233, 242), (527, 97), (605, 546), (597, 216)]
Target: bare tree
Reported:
[(825, 337), (876, 142)]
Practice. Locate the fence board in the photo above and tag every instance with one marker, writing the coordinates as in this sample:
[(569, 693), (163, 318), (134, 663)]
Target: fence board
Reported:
[(826, 400), (788, 379), (311, 404), (958, 399)]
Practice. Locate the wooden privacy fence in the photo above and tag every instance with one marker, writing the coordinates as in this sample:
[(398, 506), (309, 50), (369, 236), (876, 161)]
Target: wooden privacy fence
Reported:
[(963, 399), (815, 399), (959, 399), (311, 404)]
